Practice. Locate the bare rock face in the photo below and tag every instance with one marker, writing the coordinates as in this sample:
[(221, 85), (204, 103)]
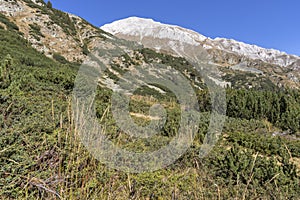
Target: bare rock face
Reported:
[(11, 7), (51, 31)]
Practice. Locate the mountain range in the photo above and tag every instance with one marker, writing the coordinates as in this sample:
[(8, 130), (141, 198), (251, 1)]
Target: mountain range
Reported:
[(147, 28), (229, 55), (254, 154), (54, 33)]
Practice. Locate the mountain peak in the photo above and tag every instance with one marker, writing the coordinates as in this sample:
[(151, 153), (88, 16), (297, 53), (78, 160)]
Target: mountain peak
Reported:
[(135, 28)]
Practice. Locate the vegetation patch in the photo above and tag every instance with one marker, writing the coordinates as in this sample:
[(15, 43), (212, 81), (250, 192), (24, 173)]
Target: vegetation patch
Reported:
[(42, 157), (35, 30), (10, 25)]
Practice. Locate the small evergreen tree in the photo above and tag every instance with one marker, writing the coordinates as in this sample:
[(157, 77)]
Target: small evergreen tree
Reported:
[(49, 5)]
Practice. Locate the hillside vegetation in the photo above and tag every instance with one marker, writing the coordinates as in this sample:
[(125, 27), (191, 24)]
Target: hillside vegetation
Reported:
[(41, 156)]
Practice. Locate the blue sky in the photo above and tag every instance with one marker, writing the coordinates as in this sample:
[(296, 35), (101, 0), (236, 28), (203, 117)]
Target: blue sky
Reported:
[(267, 23)]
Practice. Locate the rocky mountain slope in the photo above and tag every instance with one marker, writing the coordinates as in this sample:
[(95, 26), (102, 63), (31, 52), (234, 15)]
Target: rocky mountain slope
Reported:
[(42, 155), (65, 36), (51, 31), (230, 55), (134, 26)]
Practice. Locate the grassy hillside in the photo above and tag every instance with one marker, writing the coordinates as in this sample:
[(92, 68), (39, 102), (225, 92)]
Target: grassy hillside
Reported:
[(41, 156)]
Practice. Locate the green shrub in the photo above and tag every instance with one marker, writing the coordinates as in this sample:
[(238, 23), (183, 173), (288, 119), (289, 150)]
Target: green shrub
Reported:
[(10, 25), (59, 58), (35, 30)]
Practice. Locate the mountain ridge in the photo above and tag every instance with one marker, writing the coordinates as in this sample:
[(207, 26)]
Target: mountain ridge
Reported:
[(133, 26), (64, 36)]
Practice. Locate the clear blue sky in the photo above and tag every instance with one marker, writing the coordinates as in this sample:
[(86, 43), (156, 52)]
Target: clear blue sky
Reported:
[(267, 23)]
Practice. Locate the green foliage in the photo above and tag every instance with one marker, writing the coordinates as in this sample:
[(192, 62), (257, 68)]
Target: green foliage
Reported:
[(280, 107), (5, 72), (255, 163), (58, 17), (241, 80), (85, 49), (264, 144), (35, 30), (34, 5), (10, 25), (59, 58), (49, 5), (63, 20), (42, 157), (33, 91), (257, 173)]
